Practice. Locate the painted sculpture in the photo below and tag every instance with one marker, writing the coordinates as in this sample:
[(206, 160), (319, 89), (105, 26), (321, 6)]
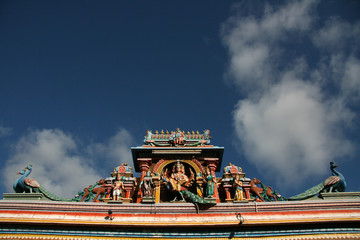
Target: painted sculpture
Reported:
[(179, 182), (98, 191), (29, 185), (19, 185), (178, 167), (118, 188), (239, 191), (270, 196), (264, 193), (210, 184), (177, 138), (255, 190), (122, 169), (232, 169), (334, 183), (147, 185), (25, 184)]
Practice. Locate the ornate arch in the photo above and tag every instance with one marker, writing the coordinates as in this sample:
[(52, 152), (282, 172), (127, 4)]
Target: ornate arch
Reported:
[(163, 163)]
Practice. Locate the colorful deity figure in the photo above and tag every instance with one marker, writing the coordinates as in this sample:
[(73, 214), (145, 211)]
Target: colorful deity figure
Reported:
[(118, 188), (179, 181), (148, 137), (123, 170), (231, 168), (178, 137), (227, 168), (207, 136), (239, 192), (147, 185), (210, 183)]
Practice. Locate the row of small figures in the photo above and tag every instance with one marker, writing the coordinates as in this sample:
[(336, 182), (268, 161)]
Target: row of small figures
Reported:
[(187, 136), (172, 132)]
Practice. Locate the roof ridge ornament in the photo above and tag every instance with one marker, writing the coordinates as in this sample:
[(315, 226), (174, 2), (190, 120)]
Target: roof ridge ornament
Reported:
[(177, 138)]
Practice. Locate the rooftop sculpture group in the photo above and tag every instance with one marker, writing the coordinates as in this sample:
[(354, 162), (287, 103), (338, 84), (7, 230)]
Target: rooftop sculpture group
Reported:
[(28, 185), (174, 177), (177, 138)]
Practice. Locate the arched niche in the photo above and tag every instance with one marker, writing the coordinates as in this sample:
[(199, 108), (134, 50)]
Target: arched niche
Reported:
[(163, 194), (163, 163)]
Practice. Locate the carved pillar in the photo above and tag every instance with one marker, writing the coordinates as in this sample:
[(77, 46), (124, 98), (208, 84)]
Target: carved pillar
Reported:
[(199, 182), (227, 185), (246, 187), (156, 181), (129, 185), (212, 164), (144, 165)]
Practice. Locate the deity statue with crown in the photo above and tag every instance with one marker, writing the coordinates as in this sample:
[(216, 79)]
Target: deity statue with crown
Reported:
[(179, 181), (177, 138)]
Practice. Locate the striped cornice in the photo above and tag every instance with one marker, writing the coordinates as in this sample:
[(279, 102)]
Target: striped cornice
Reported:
[(22, 212), (324, 219)]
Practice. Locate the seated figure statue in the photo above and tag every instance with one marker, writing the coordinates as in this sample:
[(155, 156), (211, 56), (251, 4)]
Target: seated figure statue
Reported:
[(179, 181)]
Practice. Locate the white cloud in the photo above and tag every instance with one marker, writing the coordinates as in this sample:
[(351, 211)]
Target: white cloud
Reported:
[(338, 43), (116, 150), (351, 80), (291, 120), (291, 131), (56, 163), (59, 165), (253, 43), (337, 35), (5, 131)]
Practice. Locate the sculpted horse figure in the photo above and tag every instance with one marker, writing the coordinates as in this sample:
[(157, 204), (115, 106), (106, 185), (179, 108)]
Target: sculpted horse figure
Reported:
[(98, 191), (259, 192), (269, 192), (255, 190)]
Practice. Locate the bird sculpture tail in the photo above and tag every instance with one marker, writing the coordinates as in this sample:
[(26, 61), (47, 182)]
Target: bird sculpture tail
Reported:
[(308, 193), (195, 198), (50, 195)]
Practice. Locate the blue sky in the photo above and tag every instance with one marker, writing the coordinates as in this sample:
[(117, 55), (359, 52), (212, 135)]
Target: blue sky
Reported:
[(276, 82)]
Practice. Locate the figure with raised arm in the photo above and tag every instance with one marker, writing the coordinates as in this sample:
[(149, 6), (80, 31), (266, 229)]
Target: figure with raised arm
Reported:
[(179, 181)]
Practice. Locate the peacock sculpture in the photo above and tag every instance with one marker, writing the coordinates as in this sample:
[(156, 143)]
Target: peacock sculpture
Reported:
[(19, 185), (334, 183), (340, 185), (31, 185), (28, 185)]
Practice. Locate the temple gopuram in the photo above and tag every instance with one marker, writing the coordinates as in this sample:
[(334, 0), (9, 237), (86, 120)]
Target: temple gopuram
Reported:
[(182, 192)]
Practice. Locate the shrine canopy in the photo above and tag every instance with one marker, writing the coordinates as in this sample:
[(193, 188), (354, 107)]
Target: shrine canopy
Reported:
[(177, 145)]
